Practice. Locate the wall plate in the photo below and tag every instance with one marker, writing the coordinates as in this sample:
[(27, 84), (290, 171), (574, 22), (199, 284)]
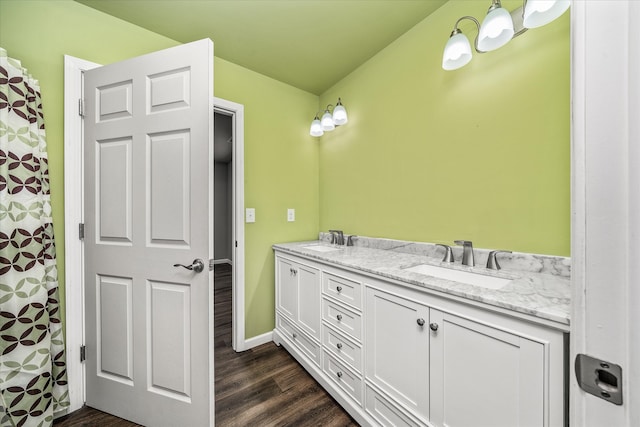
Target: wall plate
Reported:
[(599, 378)]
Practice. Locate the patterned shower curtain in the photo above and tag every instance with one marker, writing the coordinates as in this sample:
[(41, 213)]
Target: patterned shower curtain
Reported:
[(33, 376)]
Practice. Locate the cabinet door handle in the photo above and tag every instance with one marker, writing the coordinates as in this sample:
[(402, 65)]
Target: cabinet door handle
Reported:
[(295, 335), (339, 345), (339, 374), (420, 322), (339, 289), (339, 317), (433, 326)]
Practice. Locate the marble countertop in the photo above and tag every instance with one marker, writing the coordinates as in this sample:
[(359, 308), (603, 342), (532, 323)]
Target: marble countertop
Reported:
[(542, 295)]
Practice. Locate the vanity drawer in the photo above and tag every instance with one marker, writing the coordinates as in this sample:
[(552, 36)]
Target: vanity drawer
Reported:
[(385, 412), (342, 319), (343, 289), (348, 381), (300, 339), (342, 347)]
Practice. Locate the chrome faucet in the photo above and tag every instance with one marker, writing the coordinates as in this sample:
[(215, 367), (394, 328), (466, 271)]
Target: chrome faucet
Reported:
[(492, 261), (448, 255), (337, 237), (467, 252)]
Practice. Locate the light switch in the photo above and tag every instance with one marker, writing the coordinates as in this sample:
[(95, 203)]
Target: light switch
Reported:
[(291, 215), (250, 215)]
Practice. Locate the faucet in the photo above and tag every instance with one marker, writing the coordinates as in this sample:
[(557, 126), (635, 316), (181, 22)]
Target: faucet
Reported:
[(492, 261), (350, 239), (337, 237), (467, 252), (448, 256)]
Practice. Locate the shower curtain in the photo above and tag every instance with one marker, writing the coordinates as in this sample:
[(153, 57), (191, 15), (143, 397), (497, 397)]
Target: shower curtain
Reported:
[(33, 376)]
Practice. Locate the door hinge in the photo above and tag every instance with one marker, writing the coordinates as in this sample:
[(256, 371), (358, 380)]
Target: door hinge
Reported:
[(83, 353), (81, 107), (211, 264), (236, 243), (81, 231)]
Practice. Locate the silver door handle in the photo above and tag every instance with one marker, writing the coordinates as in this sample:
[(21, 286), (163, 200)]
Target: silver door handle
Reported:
[(197, 266)]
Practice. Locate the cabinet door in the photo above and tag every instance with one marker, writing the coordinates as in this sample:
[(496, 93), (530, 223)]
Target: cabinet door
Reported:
[(309, 299), (483, 376), (287, 288), (397, 348)]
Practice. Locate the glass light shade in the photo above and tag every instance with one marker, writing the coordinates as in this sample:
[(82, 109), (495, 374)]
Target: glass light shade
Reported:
[(457, 52), (327, 121), (496, 30), (316, 128), (540, 12), (340, 115)]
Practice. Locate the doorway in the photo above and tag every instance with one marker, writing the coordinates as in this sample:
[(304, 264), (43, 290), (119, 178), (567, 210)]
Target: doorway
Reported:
[(233, 113)]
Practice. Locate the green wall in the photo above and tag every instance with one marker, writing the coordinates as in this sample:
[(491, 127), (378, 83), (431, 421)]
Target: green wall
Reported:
[(280, 171), (481, 153)]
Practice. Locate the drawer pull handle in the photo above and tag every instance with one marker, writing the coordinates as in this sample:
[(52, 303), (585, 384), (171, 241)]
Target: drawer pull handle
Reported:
[(339, 345), (339, 289), (433, 326), (420, 322), (339, 317), (339, 374), (295, 335)]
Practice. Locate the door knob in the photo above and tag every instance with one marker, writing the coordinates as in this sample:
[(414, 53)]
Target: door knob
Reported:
[(420, 322), (433, 326), (197, 266)]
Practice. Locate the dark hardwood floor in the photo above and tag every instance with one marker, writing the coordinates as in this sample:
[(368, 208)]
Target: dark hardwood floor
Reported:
[(260, 387)]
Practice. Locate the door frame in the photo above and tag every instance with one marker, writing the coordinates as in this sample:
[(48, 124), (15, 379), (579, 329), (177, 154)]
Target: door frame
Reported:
[(74, 215), (605, 217)]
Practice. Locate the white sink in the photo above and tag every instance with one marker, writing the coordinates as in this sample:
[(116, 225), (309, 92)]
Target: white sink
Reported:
[(490, 282), (321, 248)]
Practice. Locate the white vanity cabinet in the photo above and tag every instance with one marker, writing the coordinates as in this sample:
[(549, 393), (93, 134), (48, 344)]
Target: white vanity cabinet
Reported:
[(397, 349), (393, 354), (457, 365), (482, 372), (298, 304)]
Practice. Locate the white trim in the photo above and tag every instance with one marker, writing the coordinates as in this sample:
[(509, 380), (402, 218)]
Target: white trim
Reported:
[(73, 215), (605, 203), (578, 203), (222, 261), (237, 325), (258, 340)]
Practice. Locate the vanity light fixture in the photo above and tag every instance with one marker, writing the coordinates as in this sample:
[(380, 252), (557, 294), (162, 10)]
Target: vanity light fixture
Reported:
[(499, 27), (329, 119)]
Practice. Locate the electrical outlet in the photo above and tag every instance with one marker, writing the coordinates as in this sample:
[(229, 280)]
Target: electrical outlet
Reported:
[(250, 215), (291, 215)]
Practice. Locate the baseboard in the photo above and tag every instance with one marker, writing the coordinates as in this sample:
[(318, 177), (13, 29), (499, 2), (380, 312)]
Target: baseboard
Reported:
[(223, 261), (259, 340)]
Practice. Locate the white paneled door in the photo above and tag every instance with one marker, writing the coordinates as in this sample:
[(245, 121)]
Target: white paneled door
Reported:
[(148, 190)]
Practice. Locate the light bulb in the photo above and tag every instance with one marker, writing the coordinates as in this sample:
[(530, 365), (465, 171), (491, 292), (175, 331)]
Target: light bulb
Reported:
[(457, 52), (316, 127), (327, 121), (540, 12), (496, 29), (340, 114)]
